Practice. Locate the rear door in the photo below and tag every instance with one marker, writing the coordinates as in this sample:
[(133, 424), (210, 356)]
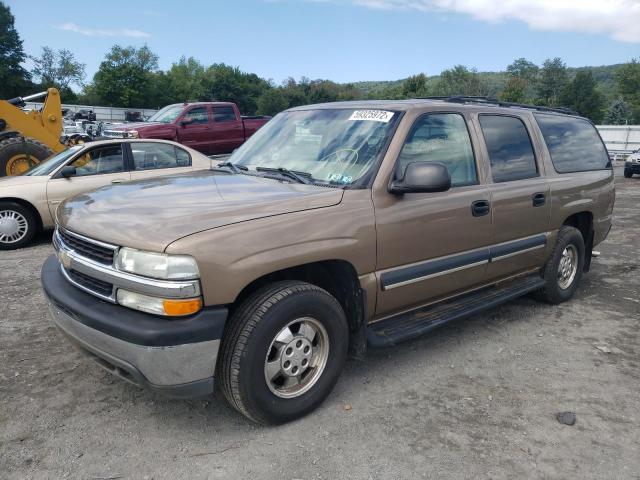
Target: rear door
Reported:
[(432, 245), (520, 203), (195, 129), (228, 130), (96, 167)]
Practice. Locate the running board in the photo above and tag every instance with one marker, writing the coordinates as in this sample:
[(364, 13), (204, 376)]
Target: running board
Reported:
[(417, 322)]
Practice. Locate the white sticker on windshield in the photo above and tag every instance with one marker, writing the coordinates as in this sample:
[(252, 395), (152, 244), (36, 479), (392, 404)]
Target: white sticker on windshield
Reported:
[(372, 115)]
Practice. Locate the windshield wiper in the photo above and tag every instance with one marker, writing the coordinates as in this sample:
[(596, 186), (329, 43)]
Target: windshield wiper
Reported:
[(300, 177), (233, 167)]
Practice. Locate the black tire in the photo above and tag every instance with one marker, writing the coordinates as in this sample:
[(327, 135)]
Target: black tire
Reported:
[(19, 212), (552, 292), (248, 341), (628, 174), (29, 147)]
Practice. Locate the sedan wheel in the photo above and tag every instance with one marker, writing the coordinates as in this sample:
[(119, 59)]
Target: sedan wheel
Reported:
[(17, 225), (13, 226)]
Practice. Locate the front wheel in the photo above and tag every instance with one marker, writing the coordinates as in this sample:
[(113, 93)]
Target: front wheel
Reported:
[(563, 271), (284, 352), (628, 174), (18, 225)]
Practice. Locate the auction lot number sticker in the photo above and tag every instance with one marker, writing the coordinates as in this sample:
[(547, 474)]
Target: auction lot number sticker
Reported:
[(372, 115)]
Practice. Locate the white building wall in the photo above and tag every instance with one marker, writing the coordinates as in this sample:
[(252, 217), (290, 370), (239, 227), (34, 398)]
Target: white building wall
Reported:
[(620, 139)]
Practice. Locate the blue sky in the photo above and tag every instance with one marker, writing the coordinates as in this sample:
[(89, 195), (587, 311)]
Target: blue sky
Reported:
[(341, 40)]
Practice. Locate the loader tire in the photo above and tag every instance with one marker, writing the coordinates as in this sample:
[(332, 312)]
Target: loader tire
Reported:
[(19, 154)]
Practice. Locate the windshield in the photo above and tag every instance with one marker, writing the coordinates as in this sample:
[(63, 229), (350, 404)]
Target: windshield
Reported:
[(336, 146), (167, 114), (52, 163)]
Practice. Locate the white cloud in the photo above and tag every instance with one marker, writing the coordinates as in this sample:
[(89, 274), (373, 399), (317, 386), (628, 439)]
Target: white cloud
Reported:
[(619, 19), (101, 32)]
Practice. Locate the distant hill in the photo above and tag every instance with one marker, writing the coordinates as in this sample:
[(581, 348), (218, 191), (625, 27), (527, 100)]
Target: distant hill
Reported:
[(496, 81)]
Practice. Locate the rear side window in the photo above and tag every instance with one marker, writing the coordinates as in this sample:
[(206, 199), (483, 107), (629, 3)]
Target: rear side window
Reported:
[(151, 156), (224, 114), (509, 146), (573, 143)]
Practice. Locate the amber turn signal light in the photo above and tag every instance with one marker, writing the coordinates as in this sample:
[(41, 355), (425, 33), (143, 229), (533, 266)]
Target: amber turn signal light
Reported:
[(180, 308)]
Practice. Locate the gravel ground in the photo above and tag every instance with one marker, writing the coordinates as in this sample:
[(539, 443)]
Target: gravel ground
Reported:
[(475, 399)]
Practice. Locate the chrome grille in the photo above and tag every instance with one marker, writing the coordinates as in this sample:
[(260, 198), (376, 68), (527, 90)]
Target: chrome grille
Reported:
[(90, 283), (86, 248), (89, 265), (114, 134)]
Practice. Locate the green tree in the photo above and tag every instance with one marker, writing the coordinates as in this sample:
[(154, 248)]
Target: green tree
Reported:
[(524, 69), (58, 69), (522, 78), (514, 91), (415, 86), (230, 84), (628, 84), (187, 81), (618, 113), (272, 101), (294, 92), (552, 81), (14, 79), (582, 95), (461, 80), (125, 77)]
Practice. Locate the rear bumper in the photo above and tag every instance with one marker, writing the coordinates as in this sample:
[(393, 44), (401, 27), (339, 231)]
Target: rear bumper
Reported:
[(172, 357)]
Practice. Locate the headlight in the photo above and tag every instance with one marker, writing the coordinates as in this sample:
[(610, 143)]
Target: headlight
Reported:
[(157, 265), (132, 134)]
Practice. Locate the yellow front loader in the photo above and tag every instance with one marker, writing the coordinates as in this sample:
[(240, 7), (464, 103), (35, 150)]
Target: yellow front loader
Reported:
[(27, 138)]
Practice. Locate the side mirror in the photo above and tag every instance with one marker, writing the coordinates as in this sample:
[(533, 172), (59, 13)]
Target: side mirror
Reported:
[(68, 172), (421, 177), (186, 120)]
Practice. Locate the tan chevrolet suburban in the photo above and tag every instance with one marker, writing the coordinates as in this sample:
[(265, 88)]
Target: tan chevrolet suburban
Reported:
[(335, 227)]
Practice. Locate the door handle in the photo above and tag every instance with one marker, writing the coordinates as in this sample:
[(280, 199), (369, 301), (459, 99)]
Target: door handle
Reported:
[(480, 208), (538, 199), (117, 180)]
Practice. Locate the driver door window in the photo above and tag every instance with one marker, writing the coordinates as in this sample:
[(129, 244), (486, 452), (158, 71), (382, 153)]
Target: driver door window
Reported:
[(99, 161), (442, 138), (96, 168), (198, 115)]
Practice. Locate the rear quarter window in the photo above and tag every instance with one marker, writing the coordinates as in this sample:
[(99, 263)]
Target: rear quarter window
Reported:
[(573, 143)]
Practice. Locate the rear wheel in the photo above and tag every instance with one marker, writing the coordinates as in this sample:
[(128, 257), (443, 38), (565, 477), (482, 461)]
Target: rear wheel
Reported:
[(563, 271), (19, 154), (18, 225), (628, 174), (284, 351)]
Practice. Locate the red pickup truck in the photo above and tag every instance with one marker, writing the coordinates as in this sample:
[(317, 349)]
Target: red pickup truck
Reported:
[(209, 127)]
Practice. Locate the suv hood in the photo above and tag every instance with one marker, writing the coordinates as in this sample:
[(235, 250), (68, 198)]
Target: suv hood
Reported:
[(151, 214)]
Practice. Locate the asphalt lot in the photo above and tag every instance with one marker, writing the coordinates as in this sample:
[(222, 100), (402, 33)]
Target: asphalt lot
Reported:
[(475, 399)]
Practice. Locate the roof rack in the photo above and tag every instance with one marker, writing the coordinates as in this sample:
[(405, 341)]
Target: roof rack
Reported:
[(499, 103)]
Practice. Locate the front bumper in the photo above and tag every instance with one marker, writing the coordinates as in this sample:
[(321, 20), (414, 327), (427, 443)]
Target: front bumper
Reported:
[(176, 357), (632, 167)]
